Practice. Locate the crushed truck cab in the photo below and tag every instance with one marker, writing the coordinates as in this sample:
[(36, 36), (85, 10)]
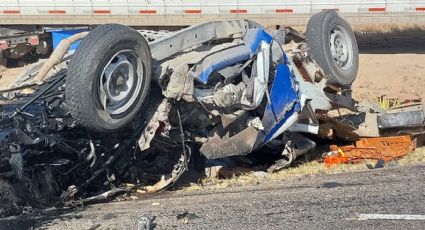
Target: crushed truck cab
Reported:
[(133, 107)]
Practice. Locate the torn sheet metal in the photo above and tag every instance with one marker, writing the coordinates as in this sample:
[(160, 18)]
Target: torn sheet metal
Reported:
[(191, 57), (198, 34), (375, 122), (284, 105), (246, 93), (241, 143), (369, 128), (312, 91), (181, 85), (402, 119), (295, 145), (159, 119), (337, 129), (263, 68), (219, 60), (230, 95)]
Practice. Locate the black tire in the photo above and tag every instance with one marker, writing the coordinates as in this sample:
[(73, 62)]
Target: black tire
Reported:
[(319, 30), (84, 76)]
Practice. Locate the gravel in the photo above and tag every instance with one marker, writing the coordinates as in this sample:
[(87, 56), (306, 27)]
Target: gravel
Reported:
[(317, 202)]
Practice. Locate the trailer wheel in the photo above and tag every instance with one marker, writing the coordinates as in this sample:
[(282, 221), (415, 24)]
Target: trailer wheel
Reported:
[(333, 46), (108, 78)]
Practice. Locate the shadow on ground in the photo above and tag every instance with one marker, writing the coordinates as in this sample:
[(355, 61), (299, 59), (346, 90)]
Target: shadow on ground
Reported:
[(36, 219), (409, 40)]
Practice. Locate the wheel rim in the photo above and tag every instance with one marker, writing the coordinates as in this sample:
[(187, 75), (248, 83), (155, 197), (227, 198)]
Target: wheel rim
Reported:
[(341, 48), (121, 82)]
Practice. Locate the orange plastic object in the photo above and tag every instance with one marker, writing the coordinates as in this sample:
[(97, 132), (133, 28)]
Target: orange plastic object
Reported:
[(385, 148)]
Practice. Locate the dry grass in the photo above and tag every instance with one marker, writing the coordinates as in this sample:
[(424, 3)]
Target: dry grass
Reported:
[(417, 157), (308, 169), (390, 28)]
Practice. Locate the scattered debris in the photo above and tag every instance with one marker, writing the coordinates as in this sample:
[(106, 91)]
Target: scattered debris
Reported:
[(381, 148), (295, 146), (386, 102), (145, 222), (186, 217), (228, 167), (409, 117), (378, 165), (260, 174)]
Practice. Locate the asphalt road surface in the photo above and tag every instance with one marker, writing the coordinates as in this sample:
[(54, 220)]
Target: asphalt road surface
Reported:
[(318, 202)]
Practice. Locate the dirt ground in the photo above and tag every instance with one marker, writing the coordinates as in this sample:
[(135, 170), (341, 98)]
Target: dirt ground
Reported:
[(399, 75), (391, 64), (7, 75)]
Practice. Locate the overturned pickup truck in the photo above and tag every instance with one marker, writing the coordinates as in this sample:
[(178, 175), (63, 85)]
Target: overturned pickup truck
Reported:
[(131, 107)]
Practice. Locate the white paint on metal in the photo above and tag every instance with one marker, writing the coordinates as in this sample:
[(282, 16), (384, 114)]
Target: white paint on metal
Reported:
[(260, 82), (179, 12), (212, 7), (304, 128)]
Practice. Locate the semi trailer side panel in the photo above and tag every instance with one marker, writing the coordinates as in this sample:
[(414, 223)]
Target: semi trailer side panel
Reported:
[(181, 12)]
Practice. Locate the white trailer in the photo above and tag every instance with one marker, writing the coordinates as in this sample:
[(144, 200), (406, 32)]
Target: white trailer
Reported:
[(184, 12), (16, 40)]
